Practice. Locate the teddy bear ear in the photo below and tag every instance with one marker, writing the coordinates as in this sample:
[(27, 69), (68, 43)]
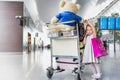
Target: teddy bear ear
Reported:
[(62, 3), (78, 6), (74, 1)]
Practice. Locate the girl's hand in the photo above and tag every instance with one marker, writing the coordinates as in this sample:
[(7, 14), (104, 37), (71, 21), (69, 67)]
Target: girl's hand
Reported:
[(85, 21)]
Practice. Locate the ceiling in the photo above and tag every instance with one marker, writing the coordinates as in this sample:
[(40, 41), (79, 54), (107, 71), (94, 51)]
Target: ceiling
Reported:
[(46, 9), (89, 8), (11, 0), (41, 11)]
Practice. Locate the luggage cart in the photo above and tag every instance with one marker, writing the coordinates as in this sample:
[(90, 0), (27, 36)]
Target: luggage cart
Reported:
[(65, 46)]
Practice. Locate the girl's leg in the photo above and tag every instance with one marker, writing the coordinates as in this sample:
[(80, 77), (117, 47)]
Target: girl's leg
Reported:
[(93, 68), (98, 69)]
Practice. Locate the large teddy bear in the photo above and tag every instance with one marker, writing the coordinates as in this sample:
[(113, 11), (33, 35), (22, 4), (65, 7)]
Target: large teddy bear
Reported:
[(64, 21)]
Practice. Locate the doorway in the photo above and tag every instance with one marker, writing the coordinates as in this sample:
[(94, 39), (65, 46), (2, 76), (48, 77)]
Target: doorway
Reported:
[(29, 42)]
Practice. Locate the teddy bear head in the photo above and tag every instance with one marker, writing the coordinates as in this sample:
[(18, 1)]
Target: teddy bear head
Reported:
[(70, 6)]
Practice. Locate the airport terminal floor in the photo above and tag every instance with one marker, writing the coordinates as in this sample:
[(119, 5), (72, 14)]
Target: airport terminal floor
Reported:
[(32, 66)]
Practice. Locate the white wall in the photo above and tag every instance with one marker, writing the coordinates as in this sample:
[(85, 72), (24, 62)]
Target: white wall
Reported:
[(33, 11)]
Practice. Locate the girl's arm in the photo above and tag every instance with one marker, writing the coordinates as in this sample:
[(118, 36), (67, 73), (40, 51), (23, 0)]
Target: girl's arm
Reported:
[(93, 28)]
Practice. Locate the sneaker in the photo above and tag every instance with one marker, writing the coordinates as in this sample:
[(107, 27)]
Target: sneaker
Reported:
[(93, 79), (98, 75)]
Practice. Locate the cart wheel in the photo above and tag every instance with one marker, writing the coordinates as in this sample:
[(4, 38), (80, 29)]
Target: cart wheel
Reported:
[(50, 72), (77, 76)]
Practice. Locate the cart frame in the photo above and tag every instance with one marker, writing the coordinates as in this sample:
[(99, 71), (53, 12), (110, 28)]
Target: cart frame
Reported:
[(75, 39)]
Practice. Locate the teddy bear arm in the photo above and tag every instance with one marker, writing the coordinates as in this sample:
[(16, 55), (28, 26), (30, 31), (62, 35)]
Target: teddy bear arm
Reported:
[(54, 20)]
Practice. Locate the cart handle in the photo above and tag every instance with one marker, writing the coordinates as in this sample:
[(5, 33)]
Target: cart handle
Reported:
[(64, 22)]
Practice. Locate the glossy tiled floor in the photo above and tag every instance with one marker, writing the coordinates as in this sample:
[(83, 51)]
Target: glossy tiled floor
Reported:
[(32, 66)]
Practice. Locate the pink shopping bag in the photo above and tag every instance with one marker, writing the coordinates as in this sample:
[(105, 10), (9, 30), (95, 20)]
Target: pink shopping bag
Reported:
[(98, 47)]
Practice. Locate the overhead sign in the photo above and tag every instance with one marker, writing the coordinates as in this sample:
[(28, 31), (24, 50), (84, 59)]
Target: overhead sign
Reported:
[(109, 23), (103, 23), (118, 23)]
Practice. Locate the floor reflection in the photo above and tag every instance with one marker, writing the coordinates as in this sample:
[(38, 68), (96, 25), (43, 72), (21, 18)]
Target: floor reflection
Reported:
[(32, 66)]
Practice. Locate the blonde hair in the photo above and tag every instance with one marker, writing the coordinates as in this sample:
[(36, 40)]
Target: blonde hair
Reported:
[(87, 26)]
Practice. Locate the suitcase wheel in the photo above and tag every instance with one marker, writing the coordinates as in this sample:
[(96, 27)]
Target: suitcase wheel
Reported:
[(77, 76)]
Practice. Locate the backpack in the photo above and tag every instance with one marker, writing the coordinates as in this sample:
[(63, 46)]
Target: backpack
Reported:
[(81, 31)]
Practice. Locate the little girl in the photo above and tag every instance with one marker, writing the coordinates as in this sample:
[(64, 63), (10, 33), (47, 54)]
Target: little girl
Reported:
[(88, 56)]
